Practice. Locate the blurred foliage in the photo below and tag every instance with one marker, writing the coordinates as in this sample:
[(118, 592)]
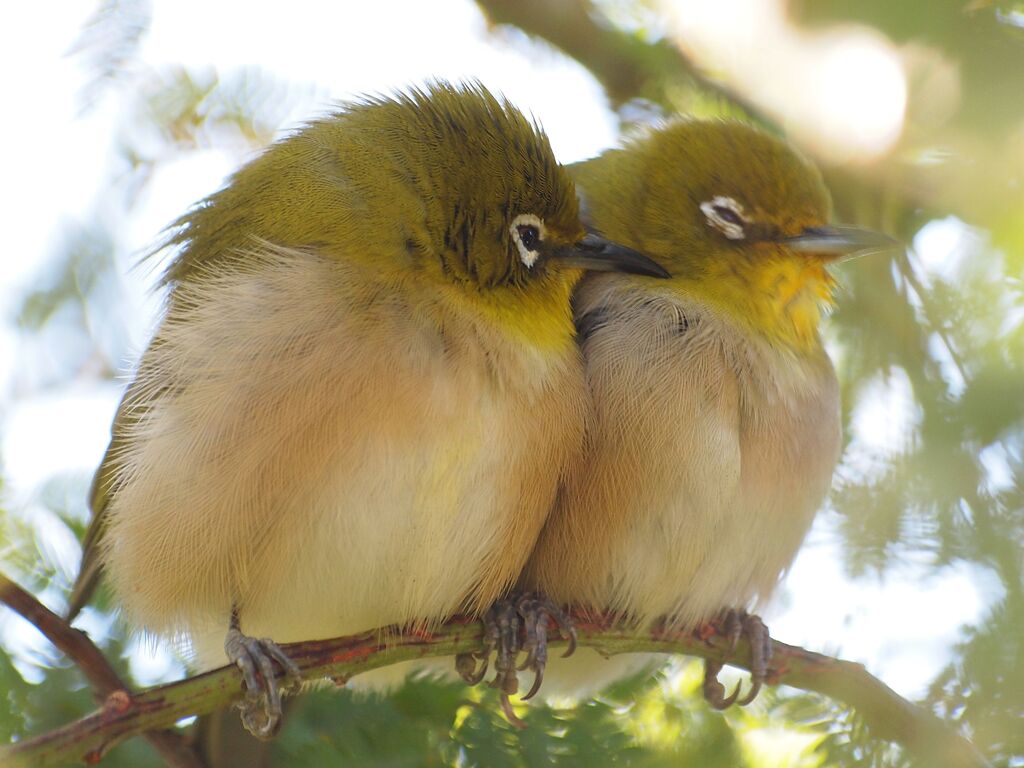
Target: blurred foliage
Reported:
[(950, 337)]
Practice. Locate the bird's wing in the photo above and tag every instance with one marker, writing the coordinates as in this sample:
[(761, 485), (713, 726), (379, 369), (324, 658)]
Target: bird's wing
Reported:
[(130, 411), (90, 568)]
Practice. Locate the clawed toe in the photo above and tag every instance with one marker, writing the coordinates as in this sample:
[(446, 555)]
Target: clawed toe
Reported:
[(530, 612), (737, 624), (257, 659), (505, 618), (536, 610)]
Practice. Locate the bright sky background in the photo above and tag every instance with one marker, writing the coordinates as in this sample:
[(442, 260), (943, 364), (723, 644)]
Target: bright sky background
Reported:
[(55, 159)]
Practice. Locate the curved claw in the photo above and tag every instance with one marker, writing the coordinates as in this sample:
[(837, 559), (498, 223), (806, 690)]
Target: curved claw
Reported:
[(538, 678), (714, 691), (538, 655), (570, 649), (727, 702), (528, 662), (755, 688), (565, 627), (534, 624), (466, 666), (536, 610)]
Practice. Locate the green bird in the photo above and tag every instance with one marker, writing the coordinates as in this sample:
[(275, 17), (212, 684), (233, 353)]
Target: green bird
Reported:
[(364, 391), (716, 424)]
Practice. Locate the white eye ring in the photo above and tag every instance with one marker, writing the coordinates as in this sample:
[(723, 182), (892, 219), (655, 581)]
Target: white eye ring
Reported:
[(527, 256), (725, 215)]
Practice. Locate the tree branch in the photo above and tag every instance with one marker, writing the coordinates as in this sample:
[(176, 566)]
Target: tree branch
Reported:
[(626, 65), (108, 687), (123, 715)]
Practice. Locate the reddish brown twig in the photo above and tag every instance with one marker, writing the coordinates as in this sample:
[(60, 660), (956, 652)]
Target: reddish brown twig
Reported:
[(109, 690)]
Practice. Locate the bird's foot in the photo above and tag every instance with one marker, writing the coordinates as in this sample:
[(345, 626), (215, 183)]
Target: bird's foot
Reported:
[(734, 625), (501, 636), (531, 611), (536, 609), (256, 658)]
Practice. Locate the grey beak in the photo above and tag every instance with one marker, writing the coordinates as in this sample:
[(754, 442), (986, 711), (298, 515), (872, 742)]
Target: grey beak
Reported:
[(595, 253), (840, 242)]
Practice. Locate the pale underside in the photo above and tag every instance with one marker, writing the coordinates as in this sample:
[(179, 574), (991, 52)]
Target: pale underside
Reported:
[(709, 454), (331, 457)]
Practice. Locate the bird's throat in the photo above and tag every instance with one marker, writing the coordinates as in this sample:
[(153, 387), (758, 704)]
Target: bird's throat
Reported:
[(781, 299), (538, 316)]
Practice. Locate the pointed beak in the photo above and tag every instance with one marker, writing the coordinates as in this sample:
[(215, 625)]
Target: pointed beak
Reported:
[(595, 253), (840, 243)]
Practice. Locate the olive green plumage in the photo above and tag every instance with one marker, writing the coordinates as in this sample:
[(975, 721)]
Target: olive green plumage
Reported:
[(414, 202), (649, 194)]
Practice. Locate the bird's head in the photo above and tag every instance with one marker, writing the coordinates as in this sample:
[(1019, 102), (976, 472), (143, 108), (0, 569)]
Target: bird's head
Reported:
[(738, 217), (448, 189)]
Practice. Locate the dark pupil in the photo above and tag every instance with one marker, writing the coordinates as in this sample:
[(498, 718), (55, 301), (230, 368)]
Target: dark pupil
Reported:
[(529, 236), (729, 215)]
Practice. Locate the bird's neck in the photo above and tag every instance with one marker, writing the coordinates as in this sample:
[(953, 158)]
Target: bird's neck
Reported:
[(782, 300), (538, 317)]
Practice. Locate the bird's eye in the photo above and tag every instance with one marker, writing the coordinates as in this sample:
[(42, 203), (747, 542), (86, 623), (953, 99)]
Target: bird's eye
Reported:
[(527, 232), (727, 216), (529, 236)]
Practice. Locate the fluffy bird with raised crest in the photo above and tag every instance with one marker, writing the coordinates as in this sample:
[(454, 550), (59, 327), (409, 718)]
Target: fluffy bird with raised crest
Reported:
[(364, 392)]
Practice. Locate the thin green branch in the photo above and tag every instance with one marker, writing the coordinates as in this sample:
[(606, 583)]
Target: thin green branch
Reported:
[(887, 714), (108, 687), (625, 64)]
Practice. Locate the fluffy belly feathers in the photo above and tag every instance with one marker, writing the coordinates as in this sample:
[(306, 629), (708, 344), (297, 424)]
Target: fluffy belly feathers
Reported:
[(709, 453)]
